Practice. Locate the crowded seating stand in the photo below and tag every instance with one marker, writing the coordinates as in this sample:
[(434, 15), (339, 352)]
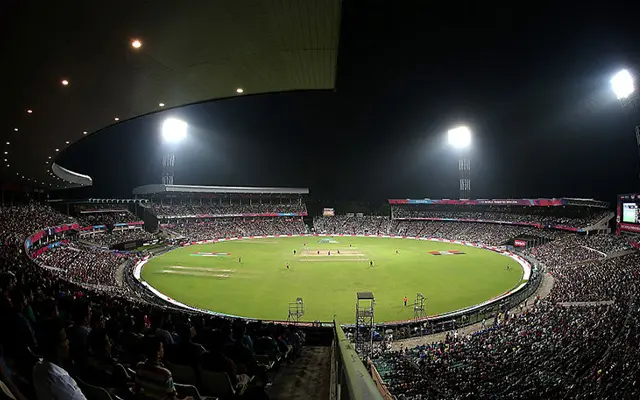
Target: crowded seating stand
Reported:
[(60, 339), (71, 328)]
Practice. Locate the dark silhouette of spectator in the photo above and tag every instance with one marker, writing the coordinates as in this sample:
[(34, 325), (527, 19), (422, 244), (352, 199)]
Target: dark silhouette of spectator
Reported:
[(101, 368), (51, 381), (186, 352), (79, 332), (152, 378)]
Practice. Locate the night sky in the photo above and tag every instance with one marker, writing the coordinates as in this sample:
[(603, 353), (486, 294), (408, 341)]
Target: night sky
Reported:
[(531, 82)]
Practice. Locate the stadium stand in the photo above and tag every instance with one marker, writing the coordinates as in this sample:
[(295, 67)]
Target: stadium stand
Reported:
[(199, 213), (113, 341), (236, 227), (581, 341), (489, 234), (103, 214), (352, 225), (569, 214), (118, 236), (183, 209), (558, 347)]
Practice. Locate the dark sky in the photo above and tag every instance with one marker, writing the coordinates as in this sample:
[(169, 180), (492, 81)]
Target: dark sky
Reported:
[(532, 82)]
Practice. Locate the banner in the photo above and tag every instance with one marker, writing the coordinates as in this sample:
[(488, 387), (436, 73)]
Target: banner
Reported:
[(41, 250), (49, 232), (506, 202), (130, 223), (520, 243), (629, 227), (301, 214), (104, 211)]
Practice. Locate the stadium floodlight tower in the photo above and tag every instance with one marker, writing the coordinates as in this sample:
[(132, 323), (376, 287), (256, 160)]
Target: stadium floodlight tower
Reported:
[(460, 139), (624, 87), (365, 303), (173, 132)]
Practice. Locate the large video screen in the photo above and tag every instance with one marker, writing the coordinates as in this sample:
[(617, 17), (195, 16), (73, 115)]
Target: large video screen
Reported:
[(328, 212), (630, 213)]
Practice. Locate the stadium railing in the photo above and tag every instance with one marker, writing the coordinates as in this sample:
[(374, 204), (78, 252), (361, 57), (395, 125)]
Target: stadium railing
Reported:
[(377, 379), (351, 380)]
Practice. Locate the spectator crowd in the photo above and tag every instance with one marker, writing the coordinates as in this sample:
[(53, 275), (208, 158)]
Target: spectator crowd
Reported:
[(118, 236), (103, 214), (352, 225), (580, 342), (60, 338), (82, 264), (67, 322), (207, 207), (236, 227), (578, 217)]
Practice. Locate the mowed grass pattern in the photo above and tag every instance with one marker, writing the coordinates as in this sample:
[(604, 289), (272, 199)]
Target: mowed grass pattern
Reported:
[(260, 285)]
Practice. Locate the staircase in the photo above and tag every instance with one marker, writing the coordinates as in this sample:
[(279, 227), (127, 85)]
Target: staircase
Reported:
[(308, 378)]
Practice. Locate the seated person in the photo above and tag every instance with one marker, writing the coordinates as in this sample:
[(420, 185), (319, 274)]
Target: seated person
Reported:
[(101, 368), (215, 360), (152, 378), (6, 376), (186, 352), (50, 380)]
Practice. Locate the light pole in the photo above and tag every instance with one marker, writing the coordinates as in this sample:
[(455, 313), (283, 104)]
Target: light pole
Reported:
[(460, 139), (623, 86), (173, 132)]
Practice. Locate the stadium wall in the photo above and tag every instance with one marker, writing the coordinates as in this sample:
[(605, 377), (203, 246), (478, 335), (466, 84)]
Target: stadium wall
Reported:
[(526, 267)]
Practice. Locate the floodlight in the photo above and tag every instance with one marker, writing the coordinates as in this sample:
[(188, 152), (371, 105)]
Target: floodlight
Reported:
[(65, 82), (240, 90), (136, 44), (622, 84), (174, 130), (460, 137)]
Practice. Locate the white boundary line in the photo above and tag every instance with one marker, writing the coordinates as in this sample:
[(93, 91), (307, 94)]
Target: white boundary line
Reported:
[(526, 267)]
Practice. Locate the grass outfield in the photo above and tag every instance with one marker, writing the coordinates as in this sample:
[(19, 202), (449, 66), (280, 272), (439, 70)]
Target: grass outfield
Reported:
[(260, 285)]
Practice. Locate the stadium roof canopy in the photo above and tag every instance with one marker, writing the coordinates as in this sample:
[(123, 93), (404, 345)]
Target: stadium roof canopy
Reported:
[(161, 188), (72, 69)]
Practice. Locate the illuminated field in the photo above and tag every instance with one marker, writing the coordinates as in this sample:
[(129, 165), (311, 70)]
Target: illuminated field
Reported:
[(249, 278)]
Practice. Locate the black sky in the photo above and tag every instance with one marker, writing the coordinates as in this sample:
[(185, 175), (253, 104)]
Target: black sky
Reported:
[(530, 79)]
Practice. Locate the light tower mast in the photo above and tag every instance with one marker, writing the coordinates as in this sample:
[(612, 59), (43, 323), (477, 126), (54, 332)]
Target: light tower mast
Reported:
[(173, 132), (168, 163), (464, 165), (460, 139)]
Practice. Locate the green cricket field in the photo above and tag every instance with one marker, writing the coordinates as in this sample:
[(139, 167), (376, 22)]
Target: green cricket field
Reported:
[(258, 278)]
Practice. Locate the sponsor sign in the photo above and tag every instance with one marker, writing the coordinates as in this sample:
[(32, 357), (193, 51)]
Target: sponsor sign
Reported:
[(520, 243)]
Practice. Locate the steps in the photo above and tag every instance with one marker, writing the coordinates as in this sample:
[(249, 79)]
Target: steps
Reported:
[(308, 378)]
